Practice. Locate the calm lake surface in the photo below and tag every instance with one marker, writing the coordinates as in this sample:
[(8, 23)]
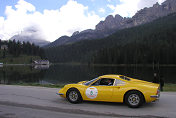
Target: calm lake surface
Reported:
[(64, 74)]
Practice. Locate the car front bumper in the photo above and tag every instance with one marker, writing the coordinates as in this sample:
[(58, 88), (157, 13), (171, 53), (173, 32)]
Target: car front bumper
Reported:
[(59, 93)]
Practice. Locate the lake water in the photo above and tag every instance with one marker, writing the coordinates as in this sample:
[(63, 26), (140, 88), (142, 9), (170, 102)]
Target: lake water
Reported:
[(63, 74)]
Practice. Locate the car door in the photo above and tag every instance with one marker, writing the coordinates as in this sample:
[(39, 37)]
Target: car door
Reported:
[(99, 91), (119, 91)]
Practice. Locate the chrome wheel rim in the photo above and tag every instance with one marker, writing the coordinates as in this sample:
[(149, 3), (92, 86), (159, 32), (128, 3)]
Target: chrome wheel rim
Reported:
[(134, 99), (73, 96)]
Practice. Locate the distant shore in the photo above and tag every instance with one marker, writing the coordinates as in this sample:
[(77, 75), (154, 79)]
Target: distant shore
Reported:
[(16, 64), (86, 64), (20, 64), (115, 65)]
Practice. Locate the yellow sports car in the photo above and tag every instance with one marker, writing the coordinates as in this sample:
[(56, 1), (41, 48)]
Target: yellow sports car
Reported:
[(112, 88)]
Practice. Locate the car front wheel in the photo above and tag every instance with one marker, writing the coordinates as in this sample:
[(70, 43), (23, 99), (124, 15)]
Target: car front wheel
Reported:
[(134, 99), (74, 96)]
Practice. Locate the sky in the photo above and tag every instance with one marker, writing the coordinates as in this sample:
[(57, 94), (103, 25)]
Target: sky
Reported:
[(52, 19)]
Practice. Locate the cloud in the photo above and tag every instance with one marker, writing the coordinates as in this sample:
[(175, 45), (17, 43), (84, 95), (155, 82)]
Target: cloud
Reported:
[(1, 27), (160, 1), (32, 31), (127, 8), (148, 3), (112, 7), (51, 24), (101, 10)]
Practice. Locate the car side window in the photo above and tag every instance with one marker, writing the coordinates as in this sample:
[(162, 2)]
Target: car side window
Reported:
[(119, 82), (104, 82)]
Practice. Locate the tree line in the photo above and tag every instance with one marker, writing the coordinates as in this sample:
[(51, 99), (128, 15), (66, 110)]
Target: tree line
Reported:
[(144, 44), (17, 48)]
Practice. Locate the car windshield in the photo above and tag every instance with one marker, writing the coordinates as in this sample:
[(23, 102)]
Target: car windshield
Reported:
[(89, 82)]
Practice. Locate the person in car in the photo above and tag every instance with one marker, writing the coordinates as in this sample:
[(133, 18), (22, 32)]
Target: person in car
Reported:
[(110, 83)]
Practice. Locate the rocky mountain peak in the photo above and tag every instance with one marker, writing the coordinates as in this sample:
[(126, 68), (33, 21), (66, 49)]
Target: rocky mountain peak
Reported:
[(156, 5), (110, 17), (75, 33), (143, 16), (110, 23), (118, 17)]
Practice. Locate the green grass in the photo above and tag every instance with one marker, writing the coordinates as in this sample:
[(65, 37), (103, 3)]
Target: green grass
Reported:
[(22, 59), (169, 87), (41, 85)]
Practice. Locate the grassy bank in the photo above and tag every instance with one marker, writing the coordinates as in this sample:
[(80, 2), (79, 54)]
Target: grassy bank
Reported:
[(41, 85), (22, 59), (166, 88), (169, 87)]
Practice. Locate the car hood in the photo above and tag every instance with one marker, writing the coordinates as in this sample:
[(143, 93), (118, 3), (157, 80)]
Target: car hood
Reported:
[(81, 82)]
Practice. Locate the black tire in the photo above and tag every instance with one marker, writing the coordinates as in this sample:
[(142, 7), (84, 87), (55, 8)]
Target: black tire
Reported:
[(73, 96), (134, 99)]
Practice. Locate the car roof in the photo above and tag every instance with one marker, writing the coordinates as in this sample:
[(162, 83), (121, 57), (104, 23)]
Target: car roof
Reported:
[(111, 76), (114, 76)]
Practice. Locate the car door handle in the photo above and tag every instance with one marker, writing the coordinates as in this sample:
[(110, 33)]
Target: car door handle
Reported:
[(117, 87)]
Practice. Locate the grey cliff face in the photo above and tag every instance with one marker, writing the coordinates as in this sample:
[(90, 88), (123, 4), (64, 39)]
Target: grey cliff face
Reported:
[(141, 17), (149, 14), (112, 24)]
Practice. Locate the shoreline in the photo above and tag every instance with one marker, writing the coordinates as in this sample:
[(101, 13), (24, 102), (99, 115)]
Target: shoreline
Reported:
[(86, 64), (22, 64), (120, 65)]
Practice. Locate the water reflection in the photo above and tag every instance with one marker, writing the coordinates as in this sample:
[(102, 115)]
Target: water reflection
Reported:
[(41, 66), (20, 74), (63, 74)]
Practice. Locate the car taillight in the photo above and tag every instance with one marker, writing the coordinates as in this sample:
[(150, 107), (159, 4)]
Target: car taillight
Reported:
[(158, 91)]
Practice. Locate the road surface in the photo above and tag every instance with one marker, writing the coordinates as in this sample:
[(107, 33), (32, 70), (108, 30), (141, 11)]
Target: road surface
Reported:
[(41, 102)]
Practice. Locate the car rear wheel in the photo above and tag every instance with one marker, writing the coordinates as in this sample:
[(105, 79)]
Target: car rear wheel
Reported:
[(134, 99), (74, 96)]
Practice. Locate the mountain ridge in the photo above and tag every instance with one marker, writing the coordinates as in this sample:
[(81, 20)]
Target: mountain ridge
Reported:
[(114, 23), (144, 44)]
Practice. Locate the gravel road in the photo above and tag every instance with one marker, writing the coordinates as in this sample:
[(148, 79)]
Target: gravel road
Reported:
[(41, 102)]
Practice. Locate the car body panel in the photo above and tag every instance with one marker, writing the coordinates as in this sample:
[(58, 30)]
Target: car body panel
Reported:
[(113, 93)]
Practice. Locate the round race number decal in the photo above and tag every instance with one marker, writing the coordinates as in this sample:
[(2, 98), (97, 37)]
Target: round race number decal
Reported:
[(91, 92)]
